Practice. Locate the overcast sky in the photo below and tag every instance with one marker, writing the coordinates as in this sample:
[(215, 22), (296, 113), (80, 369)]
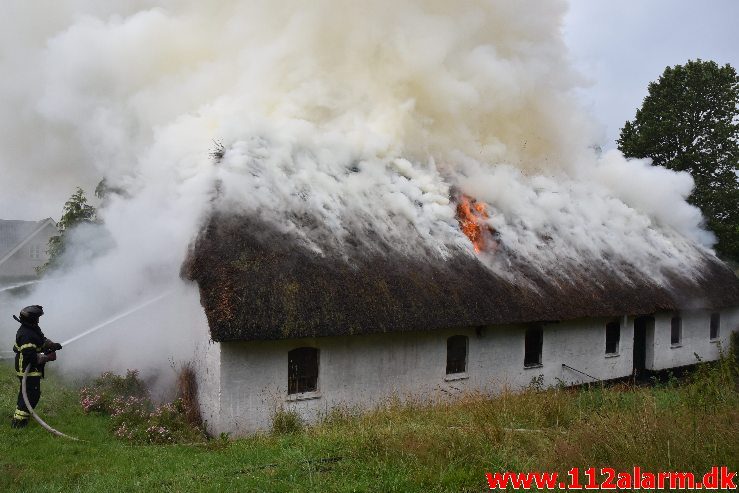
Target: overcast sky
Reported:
[(623, 45)]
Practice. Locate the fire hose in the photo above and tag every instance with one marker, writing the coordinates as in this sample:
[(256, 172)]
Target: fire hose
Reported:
[(30, 283), (16, 286), (73, 339), (36, 416)]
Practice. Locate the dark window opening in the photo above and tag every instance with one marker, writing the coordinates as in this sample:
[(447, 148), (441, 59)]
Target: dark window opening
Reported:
[(643, 329), (302, 370), (456, 354), (715, 325), (676, 329), (613, 336), (534, 341)]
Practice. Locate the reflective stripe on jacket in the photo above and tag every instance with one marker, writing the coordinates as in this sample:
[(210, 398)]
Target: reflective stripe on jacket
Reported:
[(29, 341)]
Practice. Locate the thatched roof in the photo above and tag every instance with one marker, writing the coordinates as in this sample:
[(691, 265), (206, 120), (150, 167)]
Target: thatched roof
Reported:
[(256, 283)]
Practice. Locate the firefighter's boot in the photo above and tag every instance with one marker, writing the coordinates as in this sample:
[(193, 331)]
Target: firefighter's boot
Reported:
[(20, 419)]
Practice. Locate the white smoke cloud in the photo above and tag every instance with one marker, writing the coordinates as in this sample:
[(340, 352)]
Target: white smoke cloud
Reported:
[(361, 116)]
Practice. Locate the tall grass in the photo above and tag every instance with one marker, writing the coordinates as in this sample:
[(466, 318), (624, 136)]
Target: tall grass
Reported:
[(687, 425)]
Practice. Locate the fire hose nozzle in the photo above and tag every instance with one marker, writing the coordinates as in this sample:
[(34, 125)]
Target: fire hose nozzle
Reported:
[(48, 356)]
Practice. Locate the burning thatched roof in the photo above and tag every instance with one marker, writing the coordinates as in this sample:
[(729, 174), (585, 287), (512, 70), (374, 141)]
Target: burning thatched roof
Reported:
[(256, 283)]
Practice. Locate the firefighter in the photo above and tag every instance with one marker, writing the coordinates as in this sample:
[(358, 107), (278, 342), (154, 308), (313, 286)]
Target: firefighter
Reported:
[(32, 349)]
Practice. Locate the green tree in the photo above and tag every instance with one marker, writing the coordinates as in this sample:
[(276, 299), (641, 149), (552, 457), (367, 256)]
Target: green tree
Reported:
[(76, 211), (105, 191), (689, 121)]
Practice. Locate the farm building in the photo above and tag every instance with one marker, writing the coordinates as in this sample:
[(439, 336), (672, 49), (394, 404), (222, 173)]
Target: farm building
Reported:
[(23, 246), (295, 330)]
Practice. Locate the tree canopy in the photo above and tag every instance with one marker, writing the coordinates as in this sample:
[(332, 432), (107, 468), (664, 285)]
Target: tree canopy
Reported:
[(689, 121), (76, 211)]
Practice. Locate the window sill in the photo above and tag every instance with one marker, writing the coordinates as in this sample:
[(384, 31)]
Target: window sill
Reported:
[(456, 376), (675, 346), (531, 367), (613, 355), (305, 396)]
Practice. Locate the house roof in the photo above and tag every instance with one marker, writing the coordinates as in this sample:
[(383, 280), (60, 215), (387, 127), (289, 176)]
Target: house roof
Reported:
[(14, 234), (257, 283)]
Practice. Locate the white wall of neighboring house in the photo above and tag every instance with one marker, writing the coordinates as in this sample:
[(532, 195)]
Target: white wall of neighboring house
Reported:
[(243, 383), (22, 264)]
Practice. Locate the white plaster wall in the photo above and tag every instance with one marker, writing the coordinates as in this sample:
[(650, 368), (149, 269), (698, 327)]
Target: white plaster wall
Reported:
[(246, 382), (208, 375), (581, 345), (353, 371), (695, 338), (362, 371)]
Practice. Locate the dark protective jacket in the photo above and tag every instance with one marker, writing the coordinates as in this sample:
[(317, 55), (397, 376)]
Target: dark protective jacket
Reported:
[(29, 342)]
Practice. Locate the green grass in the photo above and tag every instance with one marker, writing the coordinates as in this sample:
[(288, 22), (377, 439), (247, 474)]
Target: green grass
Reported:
[(690, 425)]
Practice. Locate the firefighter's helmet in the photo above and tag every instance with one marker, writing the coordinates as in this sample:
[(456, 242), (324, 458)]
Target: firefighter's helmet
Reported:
[(32, 313)]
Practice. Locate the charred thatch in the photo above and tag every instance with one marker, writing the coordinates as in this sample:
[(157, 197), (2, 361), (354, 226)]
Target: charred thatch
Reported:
[(257, 283)]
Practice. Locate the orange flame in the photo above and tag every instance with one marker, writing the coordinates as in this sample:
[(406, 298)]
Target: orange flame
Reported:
[(471, 214)]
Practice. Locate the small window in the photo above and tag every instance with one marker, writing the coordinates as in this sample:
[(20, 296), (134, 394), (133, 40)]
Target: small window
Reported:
[(532, 352), (302, 370), (676, 332), (613, 336), (456, 355), (35, 252), (715, 325)]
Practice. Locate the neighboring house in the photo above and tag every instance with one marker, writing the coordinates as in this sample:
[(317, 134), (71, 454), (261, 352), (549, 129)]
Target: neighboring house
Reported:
[(298, 331), (23, 246)]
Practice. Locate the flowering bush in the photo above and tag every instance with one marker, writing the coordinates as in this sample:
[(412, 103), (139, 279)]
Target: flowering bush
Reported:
[(168, 424), (108, 389), (133, 415)]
